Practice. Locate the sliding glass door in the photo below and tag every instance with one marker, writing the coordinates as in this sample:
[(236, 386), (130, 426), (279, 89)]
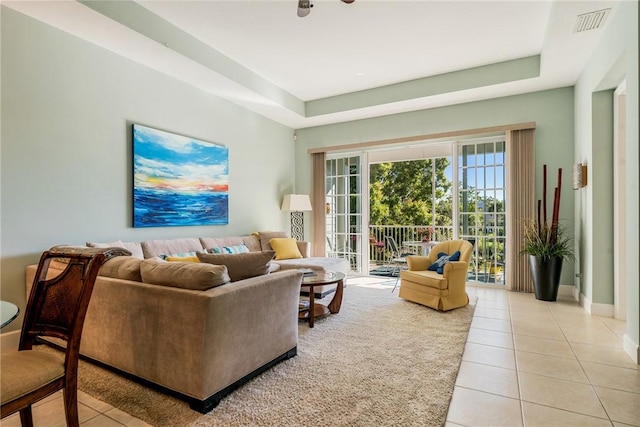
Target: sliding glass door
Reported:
[(481, 207), (344, 213), (459, 192)]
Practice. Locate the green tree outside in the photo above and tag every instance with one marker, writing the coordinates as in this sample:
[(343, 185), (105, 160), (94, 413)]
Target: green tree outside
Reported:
[(403, 193)]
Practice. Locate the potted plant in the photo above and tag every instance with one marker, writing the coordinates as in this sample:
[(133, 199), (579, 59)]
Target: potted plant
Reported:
[(375, 242), (426, 234), (547, 245)]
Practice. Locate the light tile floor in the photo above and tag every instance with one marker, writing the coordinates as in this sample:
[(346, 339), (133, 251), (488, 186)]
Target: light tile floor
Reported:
[(526, 363), (92, 412), (536, 363)]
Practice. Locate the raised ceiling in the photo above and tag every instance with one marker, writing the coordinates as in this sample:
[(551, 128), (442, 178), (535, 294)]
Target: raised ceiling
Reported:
[(344, 61)]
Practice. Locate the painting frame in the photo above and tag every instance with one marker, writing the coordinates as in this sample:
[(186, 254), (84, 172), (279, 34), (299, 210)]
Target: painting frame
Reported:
[(178, 180)]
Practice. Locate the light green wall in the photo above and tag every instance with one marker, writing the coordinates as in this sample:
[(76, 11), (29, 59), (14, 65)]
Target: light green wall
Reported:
[(67, 109), (551, 110), (600, 167), (614, 59)]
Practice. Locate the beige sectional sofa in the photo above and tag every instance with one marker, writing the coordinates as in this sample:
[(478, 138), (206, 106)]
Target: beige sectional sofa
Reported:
[(258, 241), (184, 326)]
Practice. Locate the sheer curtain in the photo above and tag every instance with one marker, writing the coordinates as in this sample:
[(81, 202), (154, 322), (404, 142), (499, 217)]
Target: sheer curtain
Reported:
[(521, 188), (318, 203)]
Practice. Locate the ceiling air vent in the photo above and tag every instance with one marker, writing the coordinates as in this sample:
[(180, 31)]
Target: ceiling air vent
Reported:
[(591, 20)]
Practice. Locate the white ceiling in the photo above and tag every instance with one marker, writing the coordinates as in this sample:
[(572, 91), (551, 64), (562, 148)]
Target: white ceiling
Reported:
[(261, 55)]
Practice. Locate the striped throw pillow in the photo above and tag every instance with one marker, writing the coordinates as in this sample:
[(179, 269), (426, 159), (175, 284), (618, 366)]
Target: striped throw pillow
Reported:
[(237, 249)]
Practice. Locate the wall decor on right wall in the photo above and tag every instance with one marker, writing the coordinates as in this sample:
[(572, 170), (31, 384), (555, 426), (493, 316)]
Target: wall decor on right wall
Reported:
[(579, 176), (178, 180)]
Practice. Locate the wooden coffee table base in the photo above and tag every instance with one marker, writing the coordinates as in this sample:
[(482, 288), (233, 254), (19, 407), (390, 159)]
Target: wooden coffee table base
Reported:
[(320, 310)]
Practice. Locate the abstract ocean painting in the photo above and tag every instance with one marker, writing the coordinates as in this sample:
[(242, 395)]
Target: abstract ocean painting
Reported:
[(178, 181)]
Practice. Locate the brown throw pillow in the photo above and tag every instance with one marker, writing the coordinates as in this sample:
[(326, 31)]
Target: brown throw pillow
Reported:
[(266, 236), (243, 265), (186, 275), (122, 267)]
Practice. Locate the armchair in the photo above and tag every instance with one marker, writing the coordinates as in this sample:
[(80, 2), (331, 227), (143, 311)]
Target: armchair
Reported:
[(444, 291)]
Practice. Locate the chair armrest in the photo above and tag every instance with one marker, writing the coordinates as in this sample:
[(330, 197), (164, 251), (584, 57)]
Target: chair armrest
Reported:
[(418, 263), (456, 274), (454, 266)]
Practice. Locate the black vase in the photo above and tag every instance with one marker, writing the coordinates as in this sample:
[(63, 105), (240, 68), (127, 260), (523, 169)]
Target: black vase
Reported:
[(546, 276)]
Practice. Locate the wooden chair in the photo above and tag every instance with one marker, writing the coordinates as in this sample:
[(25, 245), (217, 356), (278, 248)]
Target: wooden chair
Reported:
[(56, 308)]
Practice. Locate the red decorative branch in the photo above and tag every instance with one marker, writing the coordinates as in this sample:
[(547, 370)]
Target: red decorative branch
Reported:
[(556, 208), (546, 231), (544, 193), (554, 220), (539, 224)]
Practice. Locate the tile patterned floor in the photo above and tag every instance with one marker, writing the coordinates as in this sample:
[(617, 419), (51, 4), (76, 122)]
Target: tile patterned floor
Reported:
[(526, 363), (536, 363), (92, 412)]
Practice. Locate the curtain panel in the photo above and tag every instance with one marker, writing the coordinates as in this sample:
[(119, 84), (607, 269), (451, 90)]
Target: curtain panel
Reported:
[(521, 189), (318, 202)]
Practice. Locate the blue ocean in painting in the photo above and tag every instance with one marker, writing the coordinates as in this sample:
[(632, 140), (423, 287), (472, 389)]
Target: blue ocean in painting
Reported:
[(158, 208), (178, 180)]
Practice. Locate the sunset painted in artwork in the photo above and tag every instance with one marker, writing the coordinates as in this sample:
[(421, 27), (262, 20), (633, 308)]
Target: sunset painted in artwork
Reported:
[(178, 180)]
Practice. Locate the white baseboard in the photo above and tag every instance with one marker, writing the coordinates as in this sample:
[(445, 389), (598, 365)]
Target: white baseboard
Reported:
[(10, 340), (567, 290), (576, 293), (631, 348), (604, 310), (607, 310)]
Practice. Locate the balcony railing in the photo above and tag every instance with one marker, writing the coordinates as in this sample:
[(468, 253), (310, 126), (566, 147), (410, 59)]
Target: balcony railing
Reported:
[(486, 264), (378, 250)]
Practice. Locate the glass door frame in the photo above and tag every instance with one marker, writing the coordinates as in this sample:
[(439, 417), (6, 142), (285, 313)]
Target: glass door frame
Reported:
[(352, 242), (499, 276), (362, 246)]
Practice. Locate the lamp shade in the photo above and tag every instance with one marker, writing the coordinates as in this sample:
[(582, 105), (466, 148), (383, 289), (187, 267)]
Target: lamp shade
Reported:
[(296, 203)]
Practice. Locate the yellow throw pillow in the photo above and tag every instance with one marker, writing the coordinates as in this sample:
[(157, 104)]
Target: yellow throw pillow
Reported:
[(285, 247), (182, 259)]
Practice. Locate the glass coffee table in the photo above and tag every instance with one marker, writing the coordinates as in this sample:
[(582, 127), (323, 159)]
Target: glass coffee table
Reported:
[(314, 309), (8, 312)]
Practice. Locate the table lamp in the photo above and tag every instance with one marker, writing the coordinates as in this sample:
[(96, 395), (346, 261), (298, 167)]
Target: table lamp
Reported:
[(296, 204)]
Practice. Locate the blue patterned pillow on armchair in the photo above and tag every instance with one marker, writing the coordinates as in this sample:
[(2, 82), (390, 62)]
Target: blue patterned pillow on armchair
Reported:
[(443, 258)]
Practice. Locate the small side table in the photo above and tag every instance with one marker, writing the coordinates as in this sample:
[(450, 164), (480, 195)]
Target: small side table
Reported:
[(318, 310), (8, 312), (425, 247)]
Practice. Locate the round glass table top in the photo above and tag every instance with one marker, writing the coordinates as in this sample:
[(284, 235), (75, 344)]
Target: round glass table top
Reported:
[(8, 312), (320, 277)]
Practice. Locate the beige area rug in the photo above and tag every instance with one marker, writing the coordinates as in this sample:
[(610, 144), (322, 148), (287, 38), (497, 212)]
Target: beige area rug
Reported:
[(381, 361)]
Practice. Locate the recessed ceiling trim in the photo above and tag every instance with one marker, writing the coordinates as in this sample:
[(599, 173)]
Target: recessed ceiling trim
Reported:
[(482, 76), (148, 24), (212, 45)]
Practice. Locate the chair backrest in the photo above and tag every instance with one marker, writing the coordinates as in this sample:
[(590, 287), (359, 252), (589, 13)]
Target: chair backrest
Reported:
[(57, 305), (329, 244), (393, 245)]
